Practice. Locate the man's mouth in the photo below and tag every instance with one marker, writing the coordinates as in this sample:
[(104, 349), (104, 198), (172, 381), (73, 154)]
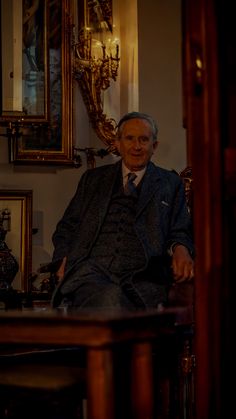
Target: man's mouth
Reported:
[(136, 155)]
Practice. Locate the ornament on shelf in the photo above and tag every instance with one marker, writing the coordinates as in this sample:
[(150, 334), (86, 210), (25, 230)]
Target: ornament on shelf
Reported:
[(8, 263)]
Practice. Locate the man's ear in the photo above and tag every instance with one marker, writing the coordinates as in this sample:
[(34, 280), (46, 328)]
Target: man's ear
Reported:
[(155, 145)]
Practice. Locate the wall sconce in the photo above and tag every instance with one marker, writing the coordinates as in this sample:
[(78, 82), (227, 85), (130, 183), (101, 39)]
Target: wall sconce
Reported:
[(13, 133), (90, 153), (96, 63)]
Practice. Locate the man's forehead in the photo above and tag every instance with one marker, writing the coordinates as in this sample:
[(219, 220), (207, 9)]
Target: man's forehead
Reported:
[(136, 124)]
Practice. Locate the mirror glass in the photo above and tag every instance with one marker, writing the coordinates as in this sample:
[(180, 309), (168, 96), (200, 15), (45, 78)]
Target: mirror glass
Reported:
[(36, 99), (24, 79)]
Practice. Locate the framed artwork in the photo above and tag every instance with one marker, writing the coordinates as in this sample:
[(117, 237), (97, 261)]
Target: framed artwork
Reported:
[(17, 205)]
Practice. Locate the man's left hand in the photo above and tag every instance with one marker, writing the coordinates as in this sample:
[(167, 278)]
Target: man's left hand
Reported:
[(182, 264)]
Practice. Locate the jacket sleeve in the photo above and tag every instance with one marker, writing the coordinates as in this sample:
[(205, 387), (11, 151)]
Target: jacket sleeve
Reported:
[(65, 229), (181, 229)]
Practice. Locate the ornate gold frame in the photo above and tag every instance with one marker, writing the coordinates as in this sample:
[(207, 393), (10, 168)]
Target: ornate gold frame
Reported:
[(95, 74)]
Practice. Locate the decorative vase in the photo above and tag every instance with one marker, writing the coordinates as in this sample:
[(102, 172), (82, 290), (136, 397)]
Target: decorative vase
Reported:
[(8, 264)]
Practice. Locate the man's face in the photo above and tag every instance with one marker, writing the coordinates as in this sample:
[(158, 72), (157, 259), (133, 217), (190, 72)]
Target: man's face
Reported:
[(136, 145)]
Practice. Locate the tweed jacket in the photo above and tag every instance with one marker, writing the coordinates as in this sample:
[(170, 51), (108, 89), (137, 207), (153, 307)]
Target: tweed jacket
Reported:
[(161, 219)]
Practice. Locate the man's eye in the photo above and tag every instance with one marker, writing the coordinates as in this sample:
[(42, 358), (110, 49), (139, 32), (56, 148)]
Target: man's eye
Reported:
[(143, 140)]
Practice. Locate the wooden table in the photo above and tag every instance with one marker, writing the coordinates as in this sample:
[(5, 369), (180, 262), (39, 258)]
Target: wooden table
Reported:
[(99, 333)]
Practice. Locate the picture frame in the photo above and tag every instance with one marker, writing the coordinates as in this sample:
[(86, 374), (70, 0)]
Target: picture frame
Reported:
[(19, 235), (38, 116)]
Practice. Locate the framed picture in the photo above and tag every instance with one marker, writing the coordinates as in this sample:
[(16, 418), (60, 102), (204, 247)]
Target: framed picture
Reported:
[(17, 207)]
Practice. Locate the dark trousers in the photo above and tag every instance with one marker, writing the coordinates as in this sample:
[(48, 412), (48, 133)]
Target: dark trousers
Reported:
[(92, 285)]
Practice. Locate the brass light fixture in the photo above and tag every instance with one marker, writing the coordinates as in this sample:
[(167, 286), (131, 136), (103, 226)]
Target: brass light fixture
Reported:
[(96, 63)]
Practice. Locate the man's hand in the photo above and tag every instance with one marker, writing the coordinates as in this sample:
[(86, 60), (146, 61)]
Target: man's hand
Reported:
[(182, 264)]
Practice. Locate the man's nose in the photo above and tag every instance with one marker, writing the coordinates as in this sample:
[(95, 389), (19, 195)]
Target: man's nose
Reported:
[(136, 143)]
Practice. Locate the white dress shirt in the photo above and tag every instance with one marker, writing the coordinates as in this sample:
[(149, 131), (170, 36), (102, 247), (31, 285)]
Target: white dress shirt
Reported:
[(126, 171)]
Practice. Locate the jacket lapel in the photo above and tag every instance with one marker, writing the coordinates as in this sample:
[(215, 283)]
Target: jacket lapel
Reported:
[(108, 182), (150, 184)]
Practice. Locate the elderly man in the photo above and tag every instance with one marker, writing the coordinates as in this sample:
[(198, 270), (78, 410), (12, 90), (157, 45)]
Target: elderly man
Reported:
[(126, 234)]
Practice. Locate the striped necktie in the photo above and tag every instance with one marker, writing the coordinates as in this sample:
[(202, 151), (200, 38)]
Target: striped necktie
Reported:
[(130, 188)]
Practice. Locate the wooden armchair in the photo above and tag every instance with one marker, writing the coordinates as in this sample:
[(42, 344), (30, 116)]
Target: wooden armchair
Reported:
[(183, 294), (177, 384)]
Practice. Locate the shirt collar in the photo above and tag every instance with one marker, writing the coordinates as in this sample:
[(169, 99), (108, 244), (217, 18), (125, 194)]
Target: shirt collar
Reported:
[(139, 174)]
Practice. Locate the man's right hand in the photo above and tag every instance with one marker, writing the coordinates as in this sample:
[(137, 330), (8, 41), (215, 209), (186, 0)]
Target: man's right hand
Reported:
[(61, 270)]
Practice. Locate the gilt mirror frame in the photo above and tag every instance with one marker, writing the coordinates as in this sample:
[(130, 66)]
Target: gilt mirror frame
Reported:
[(42, 133)]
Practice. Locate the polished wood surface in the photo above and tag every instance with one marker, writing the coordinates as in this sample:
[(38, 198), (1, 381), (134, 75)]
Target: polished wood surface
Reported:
[(100, 333), (209, 84)]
